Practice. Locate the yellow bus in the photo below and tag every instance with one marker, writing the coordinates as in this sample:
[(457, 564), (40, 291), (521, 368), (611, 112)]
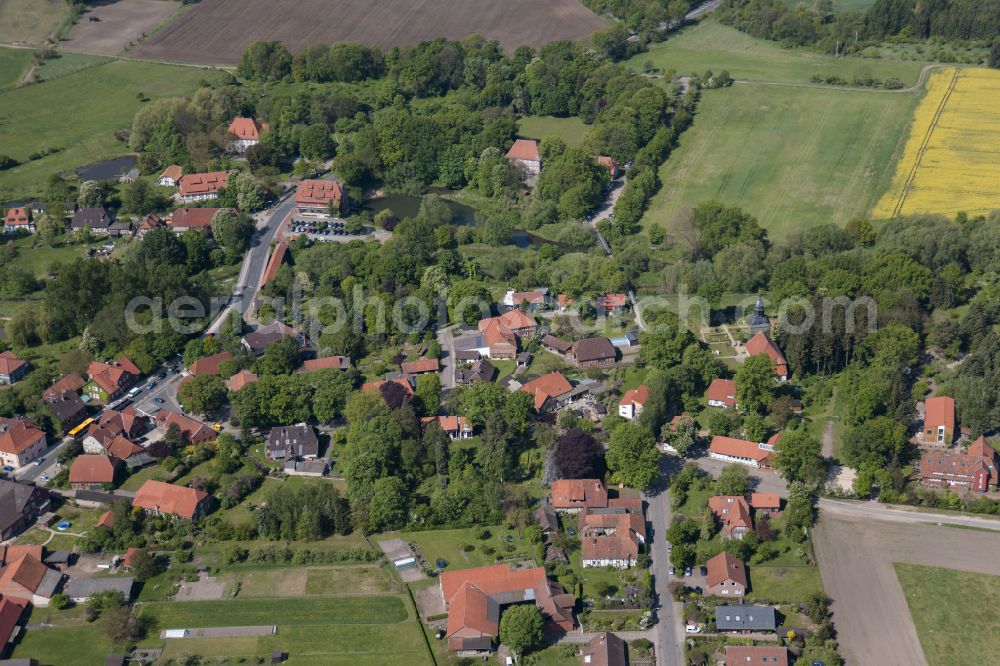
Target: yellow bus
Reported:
[(80, 428)]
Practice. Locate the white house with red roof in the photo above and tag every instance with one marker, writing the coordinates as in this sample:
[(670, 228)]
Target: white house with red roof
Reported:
[(759, 344), (524, 155), (754, 454), (171, 176), (721, 393), (21, 442), (246, 132), (19, 219), (201, 186), (320, 197), (12, 368), (632, 402)]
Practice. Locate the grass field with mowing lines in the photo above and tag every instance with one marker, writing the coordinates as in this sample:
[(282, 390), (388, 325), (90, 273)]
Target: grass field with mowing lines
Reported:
[(711, 45), (784, 584), (571, 130), (30, 21), (65, 646), (308, 610), (952, 630), (951, 162), (13, 63), (102, 99), (793, 157)]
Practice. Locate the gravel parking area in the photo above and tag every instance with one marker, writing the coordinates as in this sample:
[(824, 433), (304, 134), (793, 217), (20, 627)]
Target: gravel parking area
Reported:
[(855, 554)]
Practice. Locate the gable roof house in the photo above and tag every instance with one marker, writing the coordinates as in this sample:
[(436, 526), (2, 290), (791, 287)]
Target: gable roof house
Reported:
[(239, 380), (537, 299), (741, 451), (246, 132), (604, 649), (480, 371), (609, 303), (68, 409), (209, 365), (769, 503), (11, 612), (110, 381), (12, 369), (19, 219), (727, 576), (524, 156), (593, 352), (159, 498), (475, 597), (113, 425), (20, 506), (71, 382), (577, 494), (976, 469), (98, 220), (611, 537), (457, 427), (632, 402), (171, 176), (258, 341), (722, 393), (420, 366), (94, 472), (319, 197), (148, 223), (194, 432), (549, 390), (745, 619), (201, 186), (21, 442), (556, 345), (297, 441), (25, 577), (939, 420), (734, 513), (610, 164), (184, 219), (756, 655), (759, 344), (326, 363)]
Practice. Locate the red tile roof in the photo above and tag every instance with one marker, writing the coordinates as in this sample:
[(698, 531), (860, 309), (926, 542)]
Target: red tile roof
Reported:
[(192, 218), (377, 385), (113, 377), (725, 567), (168, 498), (106, 519), (17, 435), (97, 468), (173, 172), (517, 320), (940, 411), (17, 217), (637, 396), (745, 655), (733, 511), (611, 536), (247, 129), (738, 448), (722, 390), (209, 365), (122, 448), (240, 379), (10, 363), (447, 423), (130, 556), (326, 363), (765, 501), (21, 578), (274, 263), (579, 494), (11, 611), (190, 429), (524, 149), (318, 193), (609, 302), (71, 382), (419, 366), (547, 386), (761, 344), (202, 183)]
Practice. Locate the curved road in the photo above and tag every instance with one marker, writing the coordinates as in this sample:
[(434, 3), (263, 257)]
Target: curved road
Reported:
[(921, 79)]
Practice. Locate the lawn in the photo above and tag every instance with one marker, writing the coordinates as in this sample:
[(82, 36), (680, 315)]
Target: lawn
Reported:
[(38, 257), (134, 482), (83, 645), (713, 46), (571, 130), (793, 157), (66, 63), (30, 21), (952, 630), (284, 611), (446, 545), (104, 100), (784, 583), (298, 581), (13, 62)]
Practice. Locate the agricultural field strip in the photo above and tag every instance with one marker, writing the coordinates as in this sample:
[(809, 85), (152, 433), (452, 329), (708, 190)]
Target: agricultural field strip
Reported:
[(951, 161)]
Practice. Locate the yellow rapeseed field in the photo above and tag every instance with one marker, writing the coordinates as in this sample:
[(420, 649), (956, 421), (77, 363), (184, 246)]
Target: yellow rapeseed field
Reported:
[(951, 161)]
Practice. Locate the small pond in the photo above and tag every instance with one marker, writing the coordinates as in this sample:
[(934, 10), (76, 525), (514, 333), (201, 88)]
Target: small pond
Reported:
[(405, 205), (107, 169)]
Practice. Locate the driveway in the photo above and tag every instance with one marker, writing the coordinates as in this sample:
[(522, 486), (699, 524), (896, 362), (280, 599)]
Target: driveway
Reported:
[(448, 362)]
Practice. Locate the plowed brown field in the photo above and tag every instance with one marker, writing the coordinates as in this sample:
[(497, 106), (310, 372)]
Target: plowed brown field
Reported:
[(218, 31)]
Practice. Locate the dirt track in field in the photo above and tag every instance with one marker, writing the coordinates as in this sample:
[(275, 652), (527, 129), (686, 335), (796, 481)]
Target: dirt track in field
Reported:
[(121, 23), (869, 610), (216, 32)]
